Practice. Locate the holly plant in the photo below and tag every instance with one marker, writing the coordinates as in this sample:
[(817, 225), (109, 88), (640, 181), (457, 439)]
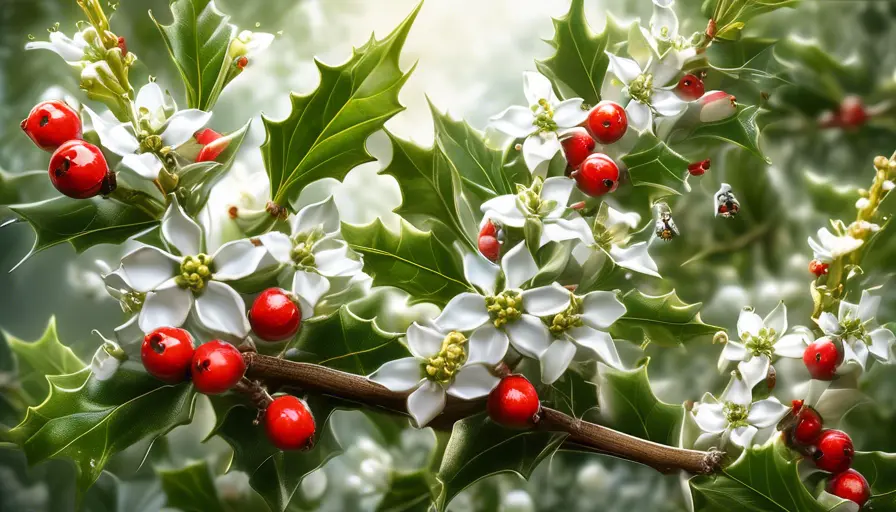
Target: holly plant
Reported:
[(512, 309)]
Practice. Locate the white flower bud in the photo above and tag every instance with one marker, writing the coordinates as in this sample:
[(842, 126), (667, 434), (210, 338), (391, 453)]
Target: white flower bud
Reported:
[(716, 106), (862, 203)]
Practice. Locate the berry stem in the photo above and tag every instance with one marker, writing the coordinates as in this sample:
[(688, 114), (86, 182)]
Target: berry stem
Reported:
[(139, 199)]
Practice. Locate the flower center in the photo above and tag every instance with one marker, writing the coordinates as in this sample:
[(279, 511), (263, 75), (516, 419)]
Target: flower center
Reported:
[(736, 414), (530, 202), (565, 320), (195, 272), (761, 343), (641, 88), (132, 302), (854, 328), (302, 246), (150, 144), (544, 116), (443, 366), (505, 307)]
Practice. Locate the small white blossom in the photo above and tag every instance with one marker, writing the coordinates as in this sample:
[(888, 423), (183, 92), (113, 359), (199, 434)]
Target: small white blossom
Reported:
[(648, 89), (888, 185), (735, 417), (73, 50), (249, 44), (615, 226), (830, 247), (854, 325), (862, 203)]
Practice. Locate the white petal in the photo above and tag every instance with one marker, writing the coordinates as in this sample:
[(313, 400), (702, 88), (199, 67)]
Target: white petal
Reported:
[(130, 336), (488, 345), (829, 323), (558, 230), (256, 42), (667, 103), (663, 22), (735, 351), (709, 417), (515, 121), (601, 309), (540, 148), (639, 116), (519, 266), (743, 436), (625, 70), (528, 335), (116, 137), (309, 287), (748, 323), (617, 219), (220, 308), (150, 97), (860, 349), (868, 306), (423, 341), (182, 125), (473, 381), (599, 342), (738, 392), (103, 365), (557, 189), (181, 231), (504, 210), (537, 87), (70, 50), (777, 319), (569, 113), (167, 306), (847, 310), (278, 245), (635, 258), (399, 375), (426, 403), (237, 259), (146, 165), (555, 360), (546, 300), (464, 312), (755, 370), (766, 413), (881, 341), (147, 267), (323, 215), (336, 263), (480, 272), (814, 390), (792, 345)]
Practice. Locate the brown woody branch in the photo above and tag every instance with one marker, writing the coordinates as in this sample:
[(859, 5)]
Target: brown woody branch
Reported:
[(582, 434)]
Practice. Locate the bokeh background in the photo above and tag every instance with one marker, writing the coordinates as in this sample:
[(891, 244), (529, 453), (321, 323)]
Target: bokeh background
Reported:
[(470, 55)]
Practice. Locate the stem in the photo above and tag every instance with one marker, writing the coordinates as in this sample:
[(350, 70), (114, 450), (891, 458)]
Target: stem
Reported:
[(355, 388), (139, 199)]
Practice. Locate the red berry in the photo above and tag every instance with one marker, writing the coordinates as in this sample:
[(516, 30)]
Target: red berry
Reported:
[(597, 175), (808, 426), (577, 147), (818, 268), (852, 112), (289, 423), (242, 62), (489, 229), (850, 485), (834, 451), (206, 136), (490, 247), (795, 406), (52, 123), (690, 87), (821, 358), (699, 168), (607, 122), (123, 46), (166, 354), (514, 402), (274, 316), (78, 169), (216, 367)]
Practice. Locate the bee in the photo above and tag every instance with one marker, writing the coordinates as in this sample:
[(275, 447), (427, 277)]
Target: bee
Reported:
[(665, 227), (726, 204)]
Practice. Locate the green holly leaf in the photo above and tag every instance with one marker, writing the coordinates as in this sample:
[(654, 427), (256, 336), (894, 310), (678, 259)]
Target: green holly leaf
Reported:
[(14, 187), (479, 448), (880, 470), (196, 180), (651, 163), (628, 404), (89, 421), (740, 129), (82, 222), (409, 491), (662, 319), (324, 135), (763, 478), (575, 395), (38, 359), (731, 16), (412, 260), (191, 488), (198, 41)]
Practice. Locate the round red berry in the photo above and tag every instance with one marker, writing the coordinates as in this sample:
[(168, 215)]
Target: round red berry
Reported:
[(699, 168), (597, 175), (488, 229), (808, 426), (490, 247), (274, 316), (850, 485), (242, 62), (289, 423), (821, 358), (514, 402), (690, 87), (834, 451), (216, 367), (166, 354), (52, 123), (818, 268), (78, 169), (852, 112), (577, 146), (213, 145), (206, 136), (607, 122)]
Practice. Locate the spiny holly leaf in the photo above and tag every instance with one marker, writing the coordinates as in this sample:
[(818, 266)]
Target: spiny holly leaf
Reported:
[(880, 470), (325, 132), (763, 478), (408, 492), (411, 260), (575, 395), (731, 15), (479, 448), (348, 343), (89, 421), (82, 222), (740, 129), (198, 41), (662, 319), (38, 359), (652, 163), (13, 186), (191, 488), (628, 403), (196, 180)]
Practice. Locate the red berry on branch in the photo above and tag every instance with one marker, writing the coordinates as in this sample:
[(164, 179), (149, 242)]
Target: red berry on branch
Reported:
[(699, 168), (51, 124), (274, 316), (808, 426), (216, 367), (690, 87), (576, 147), (850, 485), (166, 354), (597, 175), (834, 451), (490, 247), (607, 122), (795, 406), (852, 112), (78, 169), (488, 229), (818, 268), (288, 423), (821, 358), (514, 403)]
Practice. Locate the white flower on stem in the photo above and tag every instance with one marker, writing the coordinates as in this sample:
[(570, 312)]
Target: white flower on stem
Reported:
[(582, 327), (664, 28), (444, 362), (647, 88), (830, 247), (73, 50), (735, 417), (545, 201), (106, 360), (167, 287), (854, 325), (315, 251), (156, 131), (542, 122), (249, 44), (612, 229)]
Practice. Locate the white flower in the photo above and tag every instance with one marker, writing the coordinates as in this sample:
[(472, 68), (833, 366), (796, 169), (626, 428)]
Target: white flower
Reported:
[(647, 89), (664, 27), (582, 326), (166, 287), (735, 416), (888, 185), (140, 148), (616, 226), (545, 201), (862, 203), (443, 362), (249, 44), (72, 50), (542, 122), (635, 258), (106, 360), (716, 106), (760, 340), (854, 325), (315, 250), (829, 247)]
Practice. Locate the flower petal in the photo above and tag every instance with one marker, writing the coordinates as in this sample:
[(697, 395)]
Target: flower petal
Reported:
[(399, 375), (709, 417), (488, 345), (504, 210), (481, 272), (426, 403), (167, 306), (601, 309), (791, 345), (537, 87), (829, 323), (70, 50), (625, 70), (667, 103), (516, 121), (777, 319), (464, 312), (145, 165), (336, 262), (147, 267), (221, 309), (738, 392), (181, 231), (557, 189), (519, 266), (639, 116), (734, 351), (321, 215), (182, 125), (743, 436), (598, 342), (309, 287), (663, 22), (539, 149), (150, 97), (868, 306), (103, 365), (766, 413), (237, 259), (569, 113), (748, 323), (546, 300), (881, 341), (636, 258), (423, 341), (558, 230), (130, 336), (278, 245), (555, 359), (755, 370), (473, 381), (116, 137), (847, 310), (528, 335)]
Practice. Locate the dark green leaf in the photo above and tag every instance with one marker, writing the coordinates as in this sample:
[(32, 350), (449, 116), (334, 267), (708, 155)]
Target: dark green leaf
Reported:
[(740, 129), (325, 132), (411, 260), (14, 186), (880, 470), (662, 319), (197, 180), (731, 15), (191, 488), (38, 359), (575, 395), (628, 402), (652, 163), (408, 492)]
